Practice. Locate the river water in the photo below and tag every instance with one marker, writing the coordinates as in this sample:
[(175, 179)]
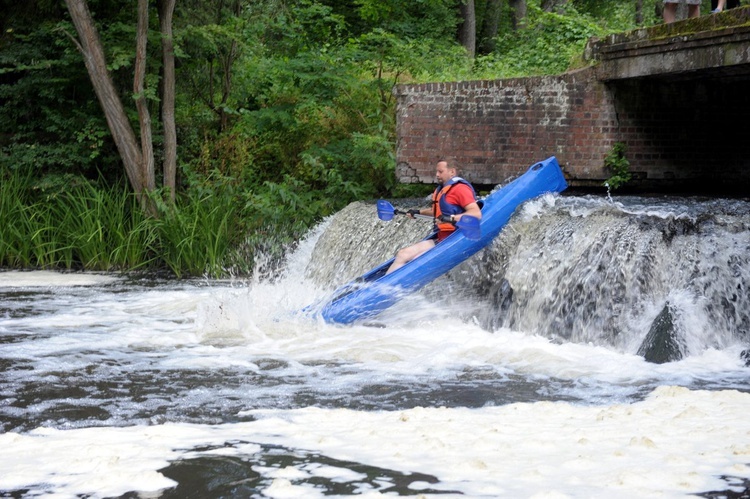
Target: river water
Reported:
[(515, 376)]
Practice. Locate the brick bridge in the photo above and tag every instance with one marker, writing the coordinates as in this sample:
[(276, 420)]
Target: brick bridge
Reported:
[(677, 95)]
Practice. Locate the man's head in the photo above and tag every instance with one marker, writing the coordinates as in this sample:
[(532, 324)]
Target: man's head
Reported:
[(444, 171)]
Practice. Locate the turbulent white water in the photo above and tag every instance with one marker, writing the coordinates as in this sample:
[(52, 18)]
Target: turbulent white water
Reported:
[(112, 386)]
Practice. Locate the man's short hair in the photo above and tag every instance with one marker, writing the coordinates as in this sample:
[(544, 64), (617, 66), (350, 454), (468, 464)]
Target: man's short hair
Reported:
[(451, 164)]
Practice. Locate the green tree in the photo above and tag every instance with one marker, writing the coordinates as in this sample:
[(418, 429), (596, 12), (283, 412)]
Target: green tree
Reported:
[(284, 109), (467, 33), (168, 89), (48, 122), (490, 26), (137, 156), (518, 13), (213, 37)]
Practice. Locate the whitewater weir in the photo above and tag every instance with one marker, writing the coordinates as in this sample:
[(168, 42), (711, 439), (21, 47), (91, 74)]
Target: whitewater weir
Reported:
[(516, 375), (589, 270)]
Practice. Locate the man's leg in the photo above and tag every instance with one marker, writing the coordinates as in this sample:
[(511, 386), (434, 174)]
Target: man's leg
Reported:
[(670, 12), (405, 255)]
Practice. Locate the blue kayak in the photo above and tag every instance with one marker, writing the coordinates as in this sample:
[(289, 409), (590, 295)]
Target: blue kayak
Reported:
[(374, 291)]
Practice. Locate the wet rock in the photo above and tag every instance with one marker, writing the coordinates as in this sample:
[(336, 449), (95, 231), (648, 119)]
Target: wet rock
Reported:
[(662, 343), (504, 296), (501, 296), (745, 356)]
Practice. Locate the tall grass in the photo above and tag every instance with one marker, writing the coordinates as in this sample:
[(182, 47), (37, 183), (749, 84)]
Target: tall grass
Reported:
[(22, 238), (105, 229), (196, 234), (83, 226)]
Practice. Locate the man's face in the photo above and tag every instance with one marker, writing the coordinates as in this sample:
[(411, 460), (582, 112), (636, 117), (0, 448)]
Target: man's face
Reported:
[(443, 172)]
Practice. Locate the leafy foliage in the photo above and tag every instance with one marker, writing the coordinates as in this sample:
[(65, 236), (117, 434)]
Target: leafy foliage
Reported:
[(619, 16), (285, 114), (547, 45), (618, 164), (47, 121)]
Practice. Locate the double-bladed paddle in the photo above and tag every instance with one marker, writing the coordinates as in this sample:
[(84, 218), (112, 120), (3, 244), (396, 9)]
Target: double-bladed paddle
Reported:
[(469, 225)]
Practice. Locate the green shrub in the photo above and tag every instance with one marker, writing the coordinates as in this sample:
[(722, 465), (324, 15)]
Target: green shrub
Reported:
[(618, 165)]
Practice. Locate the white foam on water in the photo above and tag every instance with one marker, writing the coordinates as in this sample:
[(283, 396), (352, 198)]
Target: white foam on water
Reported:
[(674, 443), (46, 278), (224, 326)]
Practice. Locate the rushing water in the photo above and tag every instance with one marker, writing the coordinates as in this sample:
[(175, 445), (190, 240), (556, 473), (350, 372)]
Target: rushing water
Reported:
[(516, 375)]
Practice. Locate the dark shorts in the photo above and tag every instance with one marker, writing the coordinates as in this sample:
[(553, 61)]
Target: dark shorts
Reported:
[(731, 4)]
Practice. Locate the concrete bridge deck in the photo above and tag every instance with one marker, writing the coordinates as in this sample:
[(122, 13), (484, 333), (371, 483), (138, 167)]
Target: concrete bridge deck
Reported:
[(676, 95), (704, 47)]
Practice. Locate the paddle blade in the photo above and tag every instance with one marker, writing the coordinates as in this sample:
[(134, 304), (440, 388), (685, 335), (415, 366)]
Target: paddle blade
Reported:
[(470, 227), (385, 210)]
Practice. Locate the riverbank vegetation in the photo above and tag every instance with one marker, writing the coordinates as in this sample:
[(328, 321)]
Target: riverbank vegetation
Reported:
[(280, 113)]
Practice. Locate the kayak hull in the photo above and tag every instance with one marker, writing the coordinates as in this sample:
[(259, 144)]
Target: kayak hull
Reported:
[(374, 292)]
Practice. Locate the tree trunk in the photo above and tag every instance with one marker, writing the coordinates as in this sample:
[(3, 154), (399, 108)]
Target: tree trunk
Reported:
[(639, 12), (141, 103), (216, 89), (226, 77), (553, 5), (518, 7), (468, 31), (490, 27), (121, 129), (166, 10)]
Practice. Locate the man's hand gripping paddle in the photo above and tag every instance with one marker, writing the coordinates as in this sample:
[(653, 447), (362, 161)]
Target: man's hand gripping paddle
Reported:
[(469, 225)]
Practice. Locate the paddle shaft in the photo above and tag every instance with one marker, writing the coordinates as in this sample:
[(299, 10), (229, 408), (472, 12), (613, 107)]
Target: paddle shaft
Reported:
[(416, 215), (419, 215), (467, 223)]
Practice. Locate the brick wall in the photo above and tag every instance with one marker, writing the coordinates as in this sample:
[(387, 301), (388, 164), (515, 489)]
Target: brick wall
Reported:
[(496, 129), (681, 134)]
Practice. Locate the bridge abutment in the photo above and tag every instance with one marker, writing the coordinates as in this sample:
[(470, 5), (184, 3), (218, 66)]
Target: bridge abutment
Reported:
[(682, 120)]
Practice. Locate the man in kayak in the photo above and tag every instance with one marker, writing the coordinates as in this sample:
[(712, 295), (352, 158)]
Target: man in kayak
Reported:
[(453, 198)]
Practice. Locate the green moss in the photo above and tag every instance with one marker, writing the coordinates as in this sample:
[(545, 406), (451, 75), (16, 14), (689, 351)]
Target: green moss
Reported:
[(708, 22)]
